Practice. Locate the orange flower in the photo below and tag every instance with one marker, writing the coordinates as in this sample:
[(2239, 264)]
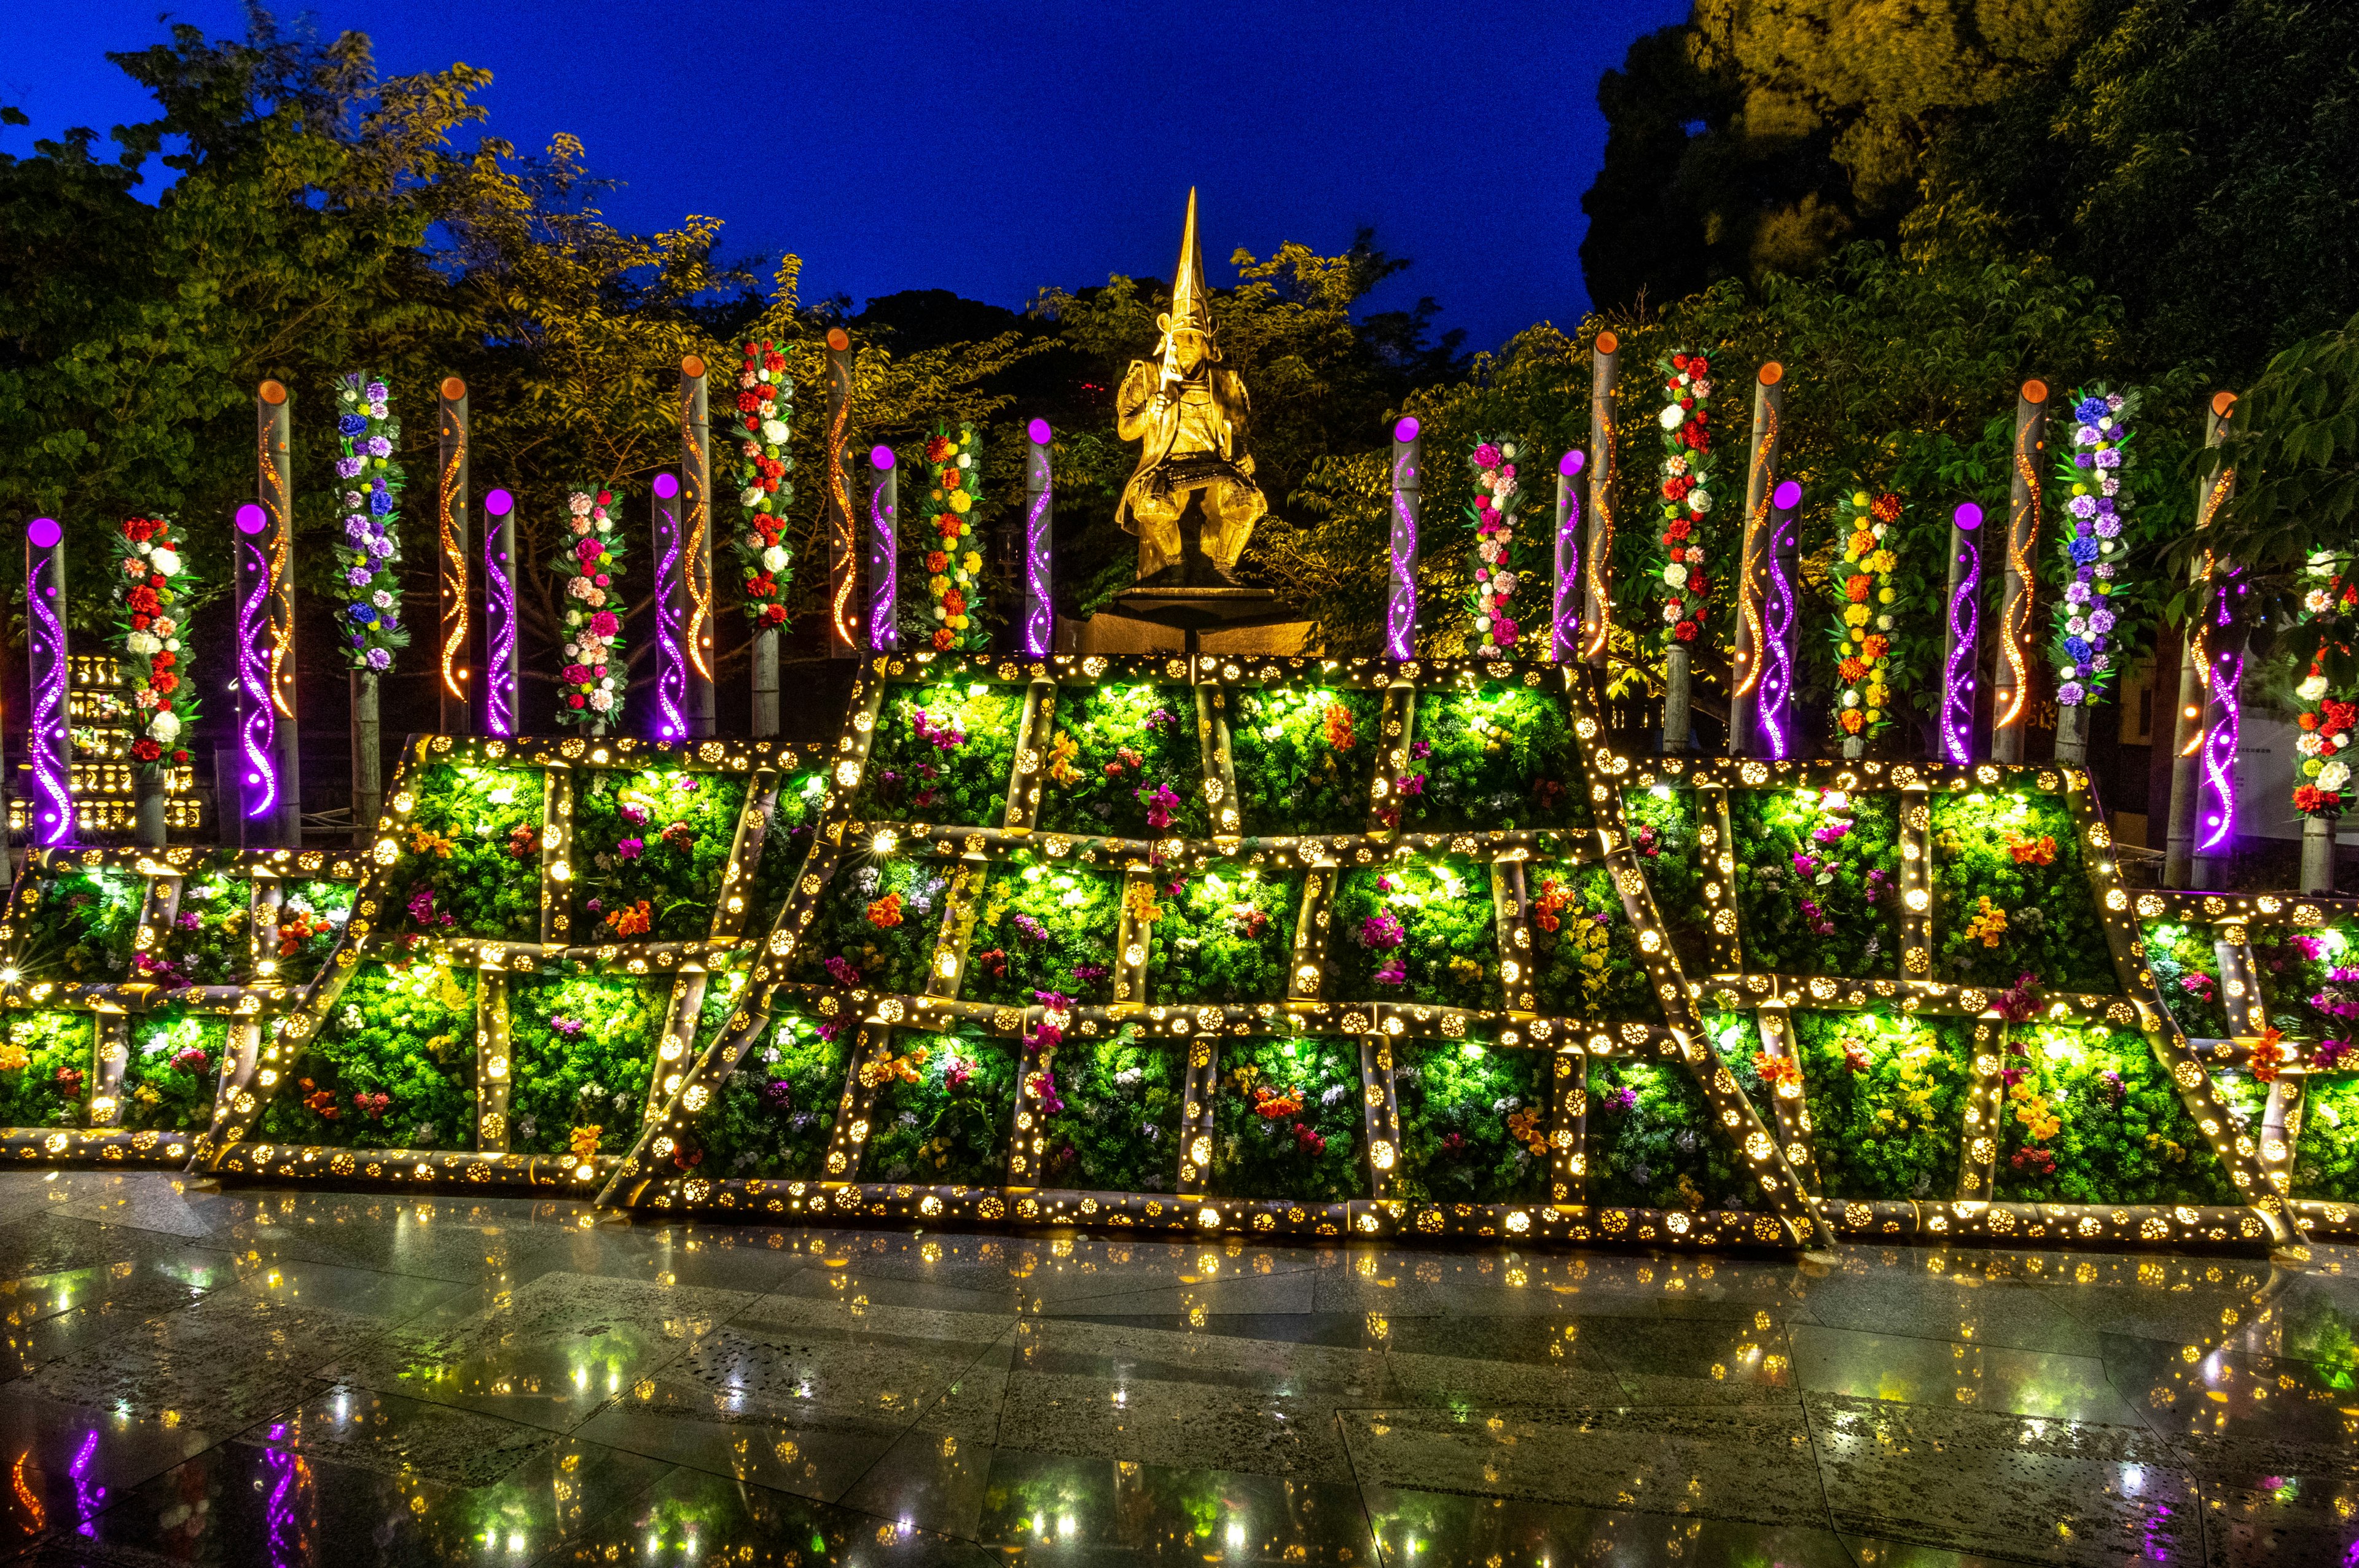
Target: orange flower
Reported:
[(1850, 670), (1884, 507), (632, 922), (1852, 720), (1776, 1070), (2040, 851), (1856, 590), (1876, 645), (2269, 1056), (942, 640), (886, 911), (583, 1142), (937, 562), (1862, 542)]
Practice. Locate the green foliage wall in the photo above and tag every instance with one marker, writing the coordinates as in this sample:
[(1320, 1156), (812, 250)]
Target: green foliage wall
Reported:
[(46, 1064), (173, 1069), (1114, 752), (1305, 758), (1044, 927), (1226, 937), (942, 754), (403, 1030), (2020, 851), (1887, 1095), (1818, 881), (469, 861), (945, 1114), (661, 838), (1501, 756), (1286, 1122), (2124, 1135), (1120, 1129), (581, 1049), (1475, 1124)]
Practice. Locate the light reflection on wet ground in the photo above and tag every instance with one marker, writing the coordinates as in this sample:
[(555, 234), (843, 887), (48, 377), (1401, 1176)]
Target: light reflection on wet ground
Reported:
[(256, 1376)]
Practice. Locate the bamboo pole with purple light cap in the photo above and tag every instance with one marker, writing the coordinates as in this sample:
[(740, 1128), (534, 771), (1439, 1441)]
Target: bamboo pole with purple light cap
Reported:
[(502, 713), (1760, 480), (2212, 490), (883, 549), (51, 811), (253, 780), (1773, 707), (696, 529), (1401, 594), (2011, 690), (1961, 638), (1597, 600), (275, 491), (1564, 605), (2229, 625), (673, 665), (1039, 626)]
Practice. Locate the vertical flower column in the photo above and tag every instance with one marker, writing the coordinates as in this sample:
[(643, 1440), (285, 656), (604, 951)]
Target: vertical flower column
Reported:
[(367, 553), (2321, 791), (1862, 630), (595, 678), (2093, 477), (765, 559), (1687, 497), (1498, 562), (150, 581), (954, 480)]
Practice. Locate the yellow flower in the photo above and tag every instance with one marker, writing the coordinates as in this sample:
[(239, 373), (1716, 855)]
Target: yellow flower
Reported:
[(959, 503), (938, 586), (973, 562), (1881, 562), (12, 1056), (1854, 614)]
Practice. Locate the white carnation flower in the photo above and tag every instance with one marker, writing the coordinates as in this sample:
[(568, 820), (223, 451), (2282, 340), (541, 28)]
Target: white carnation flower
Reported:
[(749, 495), (774, 430), (1699, 501), (2334, 774), (2312, 690), (1676, 575), (1671, 416), (774, 559), (165, 562)]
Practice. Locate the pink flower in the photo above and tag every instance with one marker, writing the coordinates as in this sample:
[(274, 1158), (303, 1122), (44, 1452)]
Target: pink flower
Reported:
[(586, 551), (1486, 456), (629, 848), (606, 624)]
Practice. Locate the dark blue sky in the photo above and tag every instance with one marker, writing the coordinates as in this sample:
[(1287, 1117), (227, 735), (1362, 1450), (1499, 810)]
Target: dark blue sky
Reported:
[(991, 149)]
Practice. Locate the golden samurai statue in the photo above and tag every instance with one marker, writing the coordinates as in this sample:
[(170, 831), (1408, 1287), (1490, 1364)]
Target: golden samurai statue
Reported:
[(1190, 411)]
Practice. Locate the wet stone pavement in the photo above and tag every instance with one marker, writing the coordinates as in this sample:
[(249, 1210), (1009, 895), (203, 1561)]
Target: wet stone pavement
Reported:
[(281, 1377)]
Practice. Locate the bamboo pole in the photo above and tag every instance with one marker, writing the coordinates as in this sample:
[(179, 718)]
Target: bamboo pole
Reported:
[(368, 785), (454, 667), (273, 490), (696, 482), (1597, 606), (1761, 477), (2011, 690), (2318, 855), (502, 705), (2212, 491), (1564, 598), (1401, 600), (1036, 628), (1954, 722), (883, 538), (844, 639)]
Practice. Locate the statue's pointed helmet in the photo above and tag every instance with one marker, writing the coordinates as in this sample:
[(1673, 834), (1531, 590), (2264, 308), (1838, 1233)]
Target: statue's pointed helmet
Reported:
[(1191, 300)]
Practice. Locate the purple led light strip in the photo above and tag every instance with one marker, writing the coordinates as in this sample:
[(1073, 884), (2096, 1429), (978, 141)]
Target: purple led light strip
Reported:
[(1040, 622), (258, 730), (499, 625), (1775, 693), (1564, 612), (2218, 805), (671, 668), (1400, 601), (48, 737), (883, 554), (1958, 677)]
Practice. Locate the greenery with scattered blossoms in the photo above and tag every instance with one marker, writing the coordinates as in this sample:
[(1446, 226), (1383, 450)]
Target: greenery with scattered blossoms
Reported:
[(1653, 1141), (1663, 836), (877, 922), (1116, 753), (774, 1114), (311, 917), (2326, 1149), (2297, 970), (404, 1031), (2124, 1135), (942, 754), (1310, 1152), (660, 837), (1469, 1116), (210, 942), (2020, 851), (1227, 936), (1044, 927), (785, 847), (2186, 971), (83, 927), (172, 1071), (46, 1062), (581, 1048), (1818, 881), (944, 1113), (1887, 1100), (1430, 922), (1305, 758), (1120, 1129), (1500, 756), (470, 863), (1585, 959)]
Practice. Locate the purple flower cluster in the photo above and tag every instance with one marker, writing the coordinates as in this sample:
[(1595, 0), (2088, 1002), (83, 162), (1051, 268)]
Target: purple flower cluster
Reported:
[(365, 557), (2083, 649), (1381, 932), (842, 972), (943, 737)]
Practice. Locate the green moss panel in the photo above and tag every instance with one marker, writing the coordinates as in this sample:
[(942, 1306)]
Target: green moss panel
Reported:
[(1887, 1100), (648, 852), (46, 1067), (1818, 881), (1417, 931), (1124, 762), (2091, 1117), (1585, 957), (1286, 1122), (392, 1067), (469, 861), (1475, 1124), (942, 754), (774, 1114), (1305, 758), (1499, 756), (82, 931), (581, 1047), (1663, 835), (943, 1112), (2011, 894), (1652, 1142), (2186, 971), (877, 922), (1044, 926), (1226, 937), (1120, 1129), (173, 1068)]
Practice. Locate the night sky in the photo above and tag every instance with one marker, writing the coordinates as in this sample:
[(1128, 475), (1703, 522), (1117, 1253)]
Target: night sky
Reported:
[(992, 149)]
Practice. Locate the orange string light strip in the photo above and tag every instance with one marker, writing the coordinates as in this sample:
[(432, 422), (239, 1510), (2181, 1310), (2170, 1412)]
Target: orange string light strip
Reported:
[(2017, 627), (1748, 605), (453, 569), (839, 607), (700, 552)]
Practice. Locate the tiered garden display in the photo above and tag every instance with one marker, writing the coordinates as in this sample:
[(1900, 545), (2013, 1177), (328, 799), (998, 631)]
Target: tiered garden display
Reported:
[(915, 977)]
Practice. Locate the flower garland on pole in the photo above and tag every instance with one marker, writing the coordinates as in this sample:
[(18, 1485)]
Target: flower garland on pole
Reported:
[(365, 557), (2094, 477), (953, 566), (1498, 568), (765, 559), (1862, 630), (2322, 778), (150, 580), (1686, 493), (593, 678)]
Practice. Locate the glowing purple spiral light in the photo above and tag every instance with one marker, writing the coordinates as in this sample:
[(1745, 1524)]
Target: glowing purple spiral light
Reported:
[(671, 665), (282, 1528), (256, 729), (1957, 724), (1564, 611), (1401, 603), (883, 551), (1774, 694), (2216, 806), (1039, 613), (499, 617), (89, 1496), (47, 646)]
